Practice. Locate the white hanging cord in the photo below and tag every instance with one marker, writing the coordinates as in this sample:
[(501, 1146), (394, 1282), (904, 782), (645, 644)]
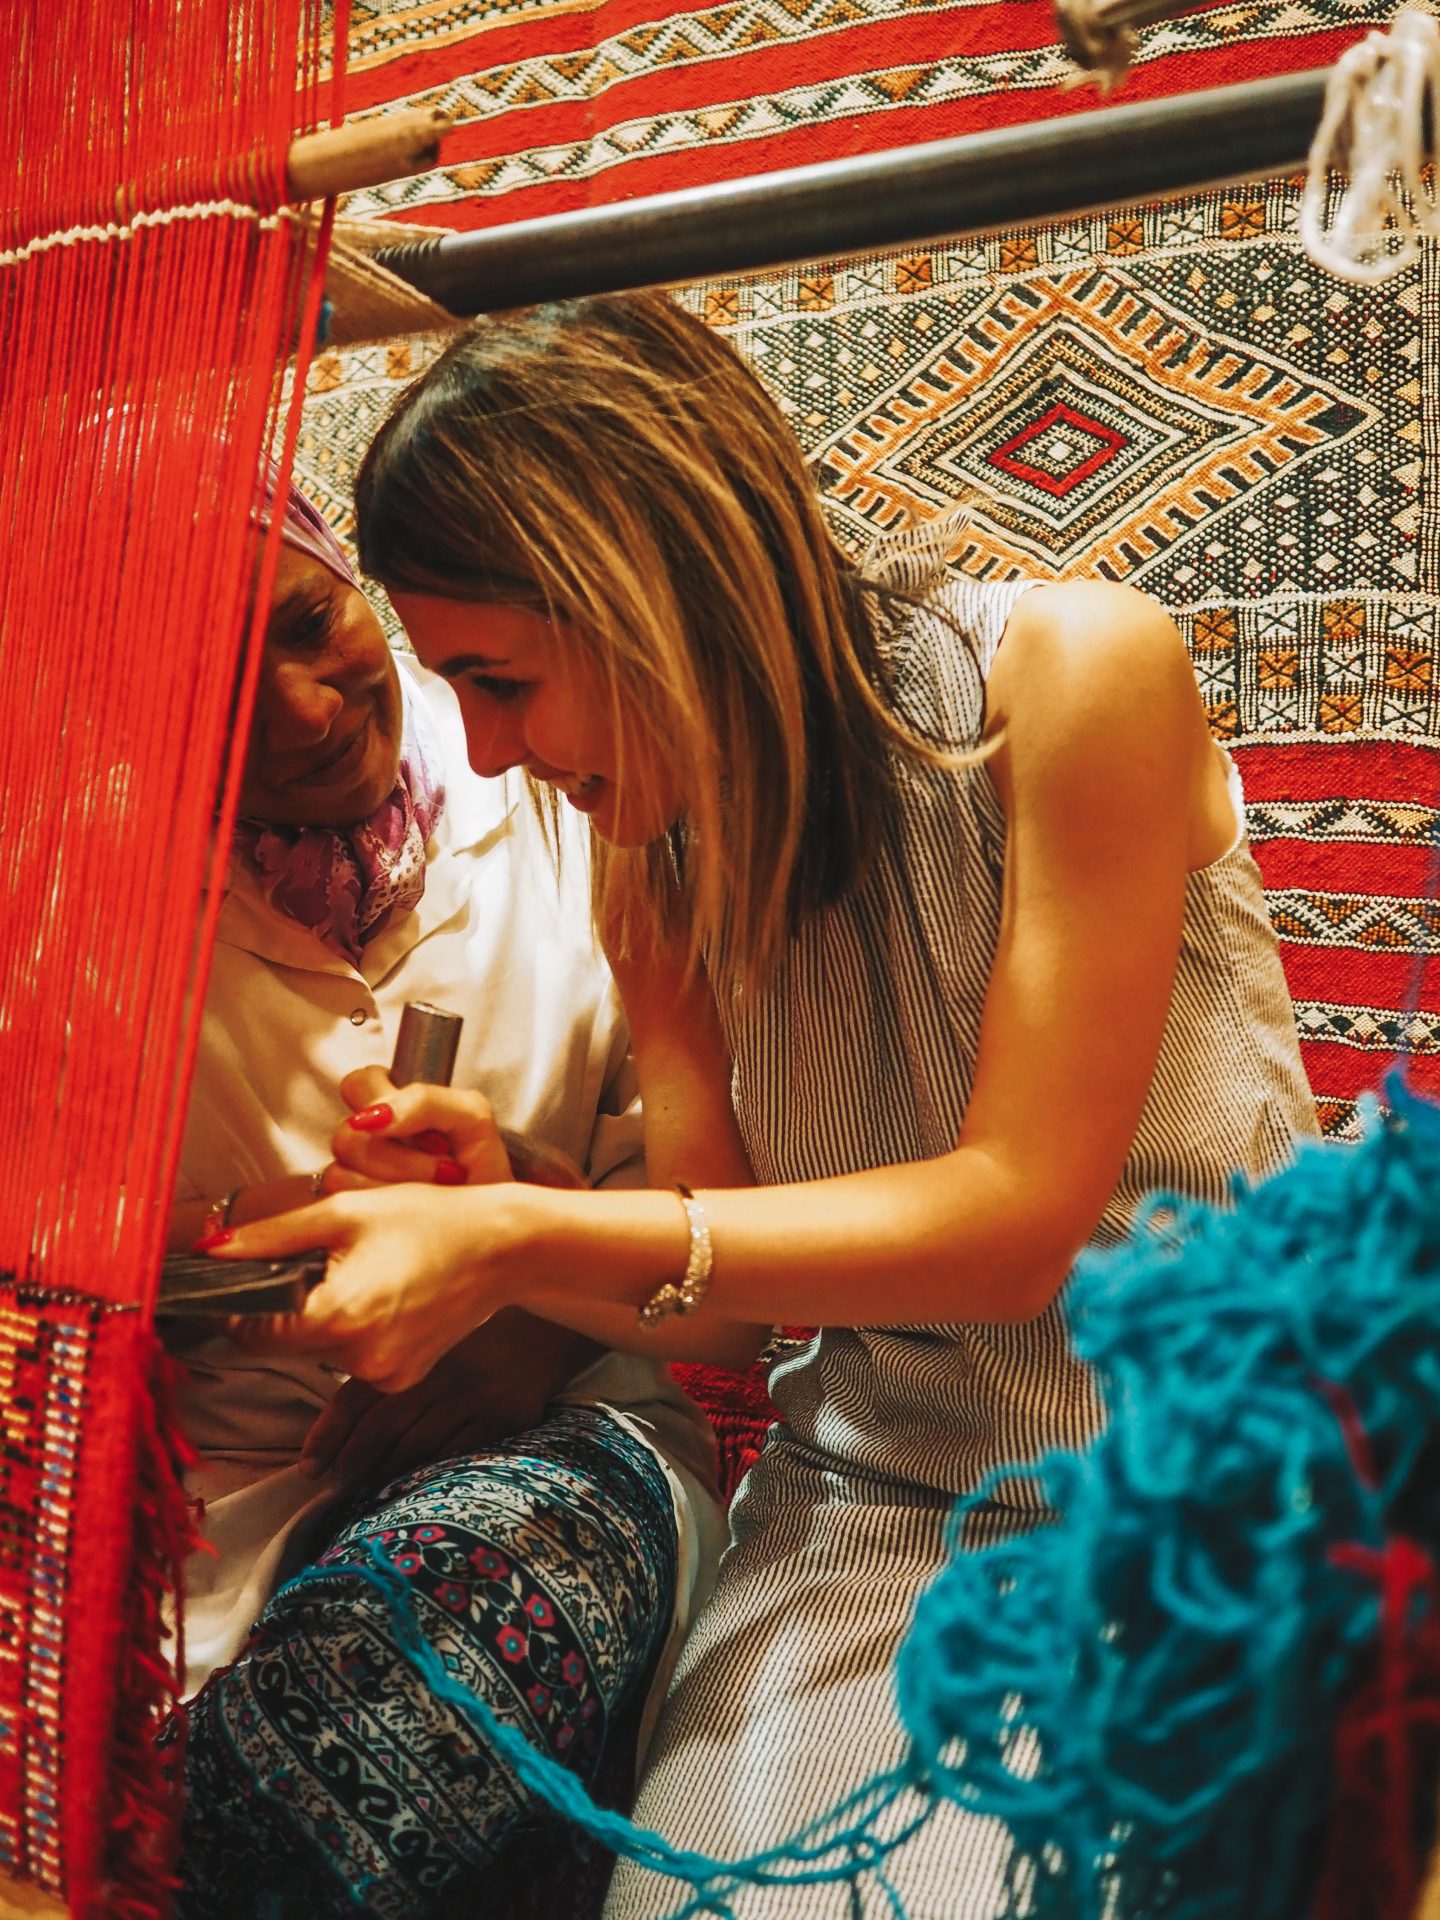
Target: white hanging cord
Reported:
[(1099, 35), (1374, 129)]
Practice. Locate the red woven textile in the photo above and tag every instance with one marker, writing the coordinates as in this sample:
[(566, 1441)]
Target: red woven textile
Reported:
[(1347, 836), (574, 106), (148, 296), (739, 1410)]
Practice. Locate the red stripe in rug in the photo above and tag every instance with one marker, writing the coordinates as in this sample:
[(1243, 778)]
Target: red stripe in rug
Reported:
[(1354, 769), (1344, 1073), (1358, 979), (1350, 867), (725, 158)]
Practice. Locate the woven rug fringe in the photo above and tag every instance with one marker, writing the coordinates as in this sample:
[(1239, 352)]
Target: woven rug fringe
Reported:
[(140, 1878)]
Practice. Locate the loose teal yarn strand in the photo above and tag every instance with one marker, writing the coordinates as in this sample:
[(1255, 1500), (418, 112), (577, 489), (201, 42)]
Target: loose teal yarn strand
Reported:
[(1178, 1646), (841, 1846), (1145, 1691)]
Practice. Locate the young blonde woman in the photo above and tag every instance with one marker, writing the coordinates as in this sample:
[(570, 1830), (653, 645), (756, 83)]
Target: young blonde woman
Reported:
[(941, 945)]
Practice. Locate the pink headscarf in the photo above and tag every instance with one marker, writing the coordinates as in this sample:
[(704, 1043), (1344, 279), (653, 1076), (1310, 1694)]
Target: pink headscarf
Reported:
[(344, 883)]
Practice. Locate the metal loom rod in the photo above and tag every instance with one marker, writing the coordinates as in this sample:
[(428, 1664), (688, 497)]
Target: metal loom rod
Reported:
[(976, 184)]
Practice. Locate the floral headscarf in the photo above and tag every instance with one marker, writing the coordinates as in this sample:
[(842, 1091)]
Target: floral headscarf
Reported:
[(343, 883)]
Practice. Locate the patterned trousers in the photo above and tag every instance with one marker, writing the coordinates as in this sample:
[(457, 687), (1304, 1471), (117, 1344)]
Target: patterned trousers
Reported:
[(323, 1778)]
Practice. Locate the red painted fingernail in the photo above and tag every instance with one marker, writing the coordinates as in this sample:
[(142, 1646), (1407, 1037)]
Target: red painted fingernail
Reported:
[(371, 1119), (209, 1241), (432, 1141), (450, 1173)]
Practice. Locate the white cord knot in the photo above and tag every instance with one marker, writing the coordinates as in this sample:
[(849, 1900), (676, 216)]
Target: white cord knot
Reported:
[(1374, 127)]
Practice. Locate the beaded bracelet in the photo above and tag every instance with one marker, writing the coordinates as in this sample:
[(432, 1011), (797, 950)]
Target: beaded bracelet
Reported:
[(684, 1295)]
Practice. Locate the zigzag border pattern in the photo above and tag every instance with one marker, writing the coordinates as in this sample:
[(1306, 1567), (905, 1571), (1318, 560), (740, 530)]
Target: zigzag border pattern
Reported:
[(1346, 821), (725, 34), (386, 30), (1368, 922), (1371, 1029)]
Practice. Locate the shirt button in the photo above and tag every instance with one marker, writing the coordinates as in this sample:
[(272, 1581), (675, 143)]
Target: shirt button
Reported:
[(359, 1017)]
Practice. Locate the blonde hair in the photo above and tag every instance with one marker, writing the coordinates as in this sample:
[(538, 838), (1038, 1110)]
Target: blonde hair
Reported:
[(613, 463)]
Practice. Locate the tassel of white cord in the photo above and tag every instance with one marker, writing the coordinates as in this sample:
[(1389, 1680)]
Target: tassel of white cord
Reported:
[(1374, 129)]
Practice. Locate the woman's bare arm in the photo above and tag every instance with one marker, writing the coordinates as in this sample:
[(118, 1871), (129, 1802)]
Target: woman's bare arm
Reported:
[(1107, 778)]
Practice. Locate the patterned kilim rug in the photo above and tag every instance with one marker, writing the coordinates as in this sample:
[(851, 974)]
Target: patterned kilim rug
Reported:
[(575, 102), (1171, 396), (1177, 398)]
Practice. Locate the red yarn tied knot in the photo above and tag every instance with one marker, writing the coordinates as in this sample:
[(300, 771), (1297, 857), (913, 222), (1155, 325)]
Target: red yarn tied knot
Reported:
[(1387, 1737)]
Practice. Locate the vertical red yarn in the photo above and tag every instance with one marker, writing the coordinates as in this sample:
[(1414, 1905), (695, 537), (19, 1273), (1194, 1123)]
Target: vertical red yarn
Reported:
[(1386, 1742), (1387, 1748), (149, 292)]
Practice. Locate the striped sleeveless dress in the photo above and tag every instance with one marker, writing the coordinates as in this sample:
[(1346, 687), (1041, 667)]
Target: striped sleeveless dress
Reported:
[(861, 1054)]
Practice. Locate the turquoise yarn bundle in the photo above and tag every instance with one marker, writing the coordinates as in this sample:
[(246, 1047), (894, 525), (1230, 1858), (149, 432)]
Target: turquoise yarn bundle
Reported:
[(1180, 1643), (1147, 1691)]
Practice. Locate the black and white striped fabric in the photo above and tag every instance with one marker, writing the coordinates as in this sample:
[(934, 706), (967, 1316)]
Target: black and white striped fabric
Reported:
[(861, 1053)]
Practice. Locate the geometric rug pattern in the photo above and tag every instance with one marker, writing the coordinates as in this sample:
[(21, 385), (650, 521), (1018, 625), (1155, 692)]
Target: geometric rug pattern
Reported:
[(1175, 397), (572, 103), (1170, 395)]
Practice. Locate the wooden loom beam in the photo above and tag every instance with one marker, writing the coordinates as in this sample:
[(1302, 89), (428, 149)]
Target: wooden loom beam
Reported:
[(365, 153), (979, 183)]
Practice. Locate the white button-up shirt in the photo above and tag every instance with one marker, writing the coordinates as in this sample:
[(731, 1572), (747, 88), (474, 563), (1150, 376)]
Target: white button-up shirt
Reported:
[(504, 940)]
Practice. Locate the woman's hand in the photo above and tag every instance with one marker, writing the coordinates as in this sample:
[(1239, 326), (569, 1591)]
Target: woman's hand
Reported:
[(255, 1201), (411, 1271), (445, 1136)]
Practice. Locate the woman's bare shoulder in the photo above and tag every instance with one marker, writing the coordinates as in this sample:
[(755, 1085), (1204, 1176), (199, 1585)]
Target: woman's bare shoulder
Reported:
[(1085, 612), (1092, 647)]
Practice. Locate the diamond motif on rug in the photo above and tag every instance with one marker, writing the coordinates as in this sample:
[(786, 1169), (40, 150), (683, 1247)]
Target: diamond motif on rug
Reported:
[(1058, 451), (1084, 415)]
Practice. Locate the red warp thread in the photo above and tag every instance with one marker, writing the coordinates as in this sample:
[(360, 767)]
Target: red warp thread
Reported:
[(141, 393), (1387, 1737)]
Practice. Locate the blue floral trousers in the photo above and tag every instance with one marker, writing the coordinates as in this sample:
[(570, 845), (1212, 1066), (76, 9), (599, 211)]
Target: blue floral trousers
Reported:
[(322, 1775)]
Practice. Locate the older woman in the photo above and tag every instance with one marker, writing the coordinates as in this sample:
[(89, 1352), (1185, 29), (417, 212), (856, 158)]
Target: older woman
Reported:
[(547, 1501)]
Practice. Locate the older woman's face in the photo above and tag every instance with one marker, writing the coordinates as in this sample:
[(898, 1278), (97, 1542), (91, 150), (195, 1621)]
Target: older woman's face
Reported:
[(325, 739)]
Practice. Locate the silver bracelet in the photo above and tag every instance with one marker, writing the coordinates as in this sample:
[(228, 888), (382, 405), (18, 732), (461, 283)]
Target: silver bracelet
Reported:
[(685, 1294)]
